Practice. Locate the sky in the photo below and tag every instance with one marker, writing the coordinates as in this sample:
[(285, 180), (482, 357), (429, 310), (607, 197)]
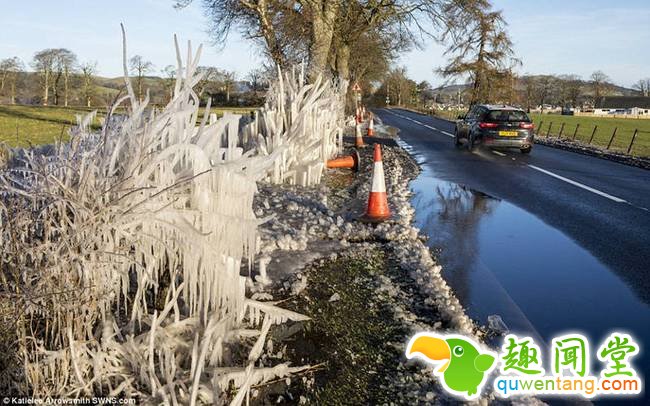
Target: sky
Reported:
[(550, 36)]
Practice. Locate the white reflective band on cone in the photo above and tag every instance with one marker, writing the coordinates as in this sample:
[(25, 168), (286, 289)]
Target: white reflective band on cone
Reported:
[(378, 183)]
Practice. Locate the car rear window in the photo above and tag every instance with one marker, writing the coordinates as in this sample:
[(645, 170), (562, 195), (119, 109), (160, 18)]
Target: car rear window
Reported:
[(507, 115)]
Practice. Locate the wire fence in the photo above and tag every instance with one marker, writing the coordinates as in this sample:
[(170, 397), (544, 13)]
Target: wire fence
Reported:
[(629, 141)]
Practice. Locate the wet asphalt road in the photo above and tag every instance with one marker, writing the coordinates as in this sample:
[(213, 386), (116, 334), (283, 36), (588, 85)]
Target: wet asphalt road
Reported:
[(552, 242), (601, 205)]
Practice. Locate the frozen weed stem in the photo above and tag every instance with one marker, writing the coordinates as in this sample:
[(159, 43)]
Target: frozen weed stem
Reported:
[(121, 250)]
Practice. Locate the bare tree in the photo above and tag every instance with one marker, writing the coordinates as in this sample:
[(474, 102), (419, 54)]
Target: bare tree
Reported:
[(398, 87), (257, 18), (64, 65), (323, 29), (140, 67), (643, 86), (544, 88), (256, 79), (484, 53), (528, 83), (570, 89), (43, 63), (228, 82), (88, 71), (212, 79), (169, 78), (600, 84), (9, 69)]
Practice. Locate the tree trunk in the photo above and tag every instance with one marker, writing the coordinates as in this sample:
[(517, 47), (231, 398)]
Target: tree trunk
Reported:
[(13, 91), (55, 89), (275, 50), (324, 14), (343, 61), (46, 87), (342, 65), (139, 88), (65, 90)]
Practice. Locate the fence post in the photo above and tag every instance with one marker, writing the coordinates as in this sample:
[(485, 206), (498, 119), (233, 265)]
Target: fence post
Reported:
[(632, 142), (612, 139), (592, 134), (576, 131), (539, 128), (561, 131), (549, 129)]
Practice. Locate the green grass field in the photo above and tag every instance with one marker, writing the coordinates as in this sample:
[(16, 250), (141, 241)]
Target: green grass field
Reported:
[(21, 126), (25, 125), (624, 130)]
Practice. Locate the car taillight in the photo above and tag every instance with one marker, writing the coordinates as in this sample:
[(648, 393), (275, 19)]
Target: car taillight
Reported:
[(487, 125), (527, 126)]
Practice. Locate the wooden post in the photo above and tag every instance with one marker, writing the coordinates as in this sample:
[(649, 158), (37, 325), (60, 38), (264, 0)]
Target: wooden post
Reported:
[(592, 134), (612, 139), (539, 129), (576, 131), (549, 129), (632, 142), (559, 135)]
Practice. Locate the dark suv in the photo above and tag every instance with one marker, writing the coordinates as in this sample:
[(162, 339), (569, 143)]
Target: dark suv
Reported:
[(495, 126)]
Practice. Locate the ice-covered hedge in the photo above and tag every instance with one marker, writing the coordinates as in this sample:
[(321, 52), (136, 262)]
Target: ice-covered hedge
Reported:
[(121, 250)]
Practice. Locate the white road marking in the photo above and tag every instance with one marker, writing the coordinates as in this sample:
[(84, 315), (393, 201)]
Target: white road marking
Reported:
[(421, 123), (578, 184), (498, 153)]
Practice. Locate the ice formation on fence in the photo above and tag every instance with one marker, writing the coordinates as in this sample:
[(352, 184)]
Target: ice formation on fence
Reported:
[(121, 250)]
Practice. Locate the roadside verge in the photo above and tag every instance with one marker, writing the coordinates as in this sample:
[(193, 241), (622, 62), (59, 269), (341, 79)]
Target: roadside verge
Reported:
[(367, 289)]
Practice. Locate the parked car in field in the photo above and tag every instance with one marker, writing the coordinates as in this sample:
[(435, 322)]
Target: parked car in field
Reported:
[(495, 126)]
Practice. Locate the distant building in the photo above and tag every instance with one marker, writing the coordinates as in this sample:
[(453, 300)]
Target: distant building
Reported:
[(623, 105)]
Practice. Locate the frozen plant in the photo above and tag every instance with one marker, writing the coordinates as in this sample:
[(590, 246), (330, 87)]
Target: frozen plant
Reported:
[(121, 251), (304, 121)]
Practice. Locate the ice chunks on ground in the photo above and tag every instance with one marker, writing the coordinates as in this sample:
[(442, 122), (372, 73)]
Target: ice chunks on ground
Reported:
[(496, 324)]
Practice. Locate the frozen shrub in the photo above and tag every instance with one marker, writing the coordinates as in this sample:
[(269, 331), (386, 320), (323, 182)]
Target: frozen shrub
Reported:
[(121, 250), (305, 121)]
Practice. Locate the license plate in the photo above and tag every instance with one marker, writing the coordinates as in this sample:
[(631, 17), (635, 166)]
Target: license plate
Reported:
[(508, 133)]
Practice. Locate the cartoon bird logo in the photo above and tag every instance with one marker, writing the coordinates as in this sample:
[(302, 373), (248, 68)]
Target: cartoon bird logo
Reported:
[(465, 368)]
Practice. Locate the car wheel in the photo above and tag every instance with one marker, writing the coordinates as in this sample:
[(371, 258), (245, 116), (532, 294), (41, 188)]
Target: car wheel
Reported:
[(470, 142), (526, 150), (456, 138)]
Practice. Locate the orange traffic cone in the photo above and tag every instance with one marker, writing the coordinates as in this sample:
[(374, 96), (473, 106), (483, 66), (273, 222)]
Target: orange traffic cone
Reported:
[(377, 210), (350, 161), (363, 113), (371, 126), (358, 141)]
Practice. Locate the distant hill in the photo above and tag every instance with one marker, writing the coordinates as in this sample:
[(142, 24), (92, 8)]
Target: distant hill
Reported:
[(615, 90), (450, 89)]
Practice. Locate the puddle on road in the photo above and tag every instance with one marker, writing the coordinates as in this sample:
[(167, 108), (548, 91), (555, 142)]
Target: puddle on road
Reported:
[(499, 259)]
